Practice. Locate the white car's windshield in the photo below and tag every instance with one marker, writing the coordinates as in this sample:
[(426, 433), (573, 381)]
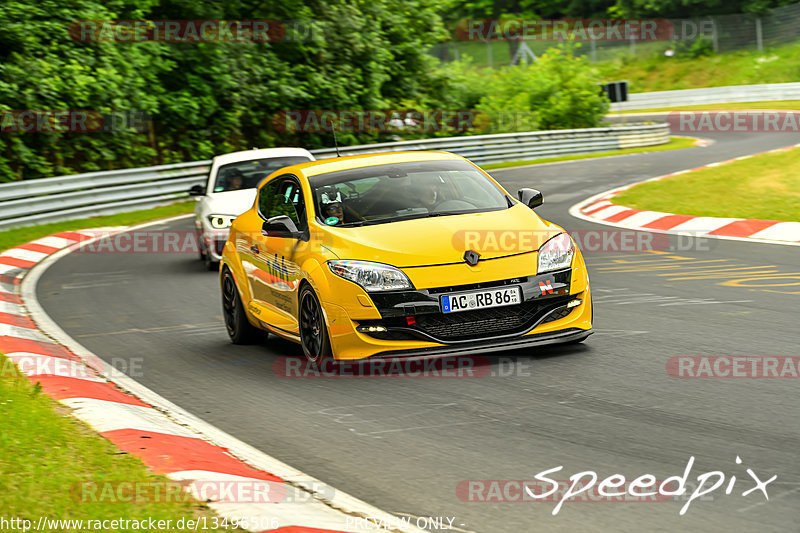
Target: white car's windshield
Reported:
[(248, 174), (400, 191)]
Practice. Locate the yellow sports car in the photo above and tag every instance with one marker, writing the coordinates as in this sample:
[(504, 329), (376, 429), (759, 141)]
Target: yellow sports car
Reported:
[(400, 254)]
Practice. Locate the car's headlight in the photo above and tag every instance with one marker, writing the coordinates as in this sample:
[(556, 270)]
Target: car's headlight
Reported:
[(556, 254), (372, 276), (220, 221)]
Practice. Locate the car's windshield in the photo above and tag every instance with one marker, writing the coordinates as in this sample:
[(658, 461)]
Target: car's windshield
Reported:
[(400, 191), (248, 174)]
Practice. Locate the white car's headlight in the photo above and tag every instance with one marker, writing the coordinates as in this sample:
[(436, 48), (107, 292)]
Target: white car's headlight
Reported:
[(372, 276), (220, 221), (556, 254)]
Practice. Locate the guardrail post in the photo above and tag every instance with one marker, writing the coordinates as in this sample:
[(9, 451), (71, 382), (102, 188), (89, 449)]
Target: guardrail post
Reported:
[(714, 35), (759, 35)]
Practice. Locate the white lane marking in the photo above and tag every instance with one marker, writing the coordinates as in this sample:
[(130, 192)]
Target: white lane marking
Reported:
[(784, 231), (641, 219), (7, 330), (597, 206), (703, 224), (11, 270), (105, 416), (10, 288), (336, 505), (609, 211), (25, 255), (55, 242), (9, 307)]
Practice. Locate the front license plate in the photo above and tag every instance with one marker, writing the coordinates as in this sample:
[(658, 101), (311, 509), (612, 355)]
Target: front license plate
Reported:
[(469, 301)]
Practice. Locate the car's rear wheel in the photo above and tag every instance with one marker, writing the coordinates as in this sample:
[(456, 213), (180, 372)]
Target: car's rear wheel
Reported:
[(313, 333), (240, 330)]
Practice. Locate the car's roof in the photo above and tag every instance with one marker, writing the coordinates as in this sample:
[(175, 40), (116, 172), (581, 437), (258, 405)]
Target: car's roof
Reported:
[(264, 153), (323, 166)]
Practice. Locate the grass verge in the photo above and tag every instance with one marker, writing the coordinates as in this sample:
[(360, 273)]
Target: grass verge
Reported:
[(675, 143), (765, 186), (14, 237), (656, 72), (791, 105), (46, 456)]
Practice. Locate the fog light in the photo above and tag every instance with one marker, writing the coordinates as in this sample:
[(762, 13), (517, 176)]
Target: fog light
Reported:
[(370, 329), (574, 303)]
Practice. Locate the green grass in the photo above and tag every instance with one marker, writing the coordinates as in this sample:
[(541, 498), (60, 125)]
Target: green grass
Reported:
[(793, 105), (15, 237), (659, 73), (44, 454), (675, 143), (766, 187)]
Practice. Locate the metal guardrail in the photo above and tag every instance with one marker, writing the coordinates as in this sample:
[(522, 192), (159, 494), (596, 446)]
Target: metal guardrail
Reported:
[(102, 193), (711, 95)]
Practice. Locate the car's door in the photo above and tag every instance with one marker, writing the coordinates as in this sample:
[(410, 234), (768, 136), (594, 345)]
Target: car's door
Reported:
[(277, 254)]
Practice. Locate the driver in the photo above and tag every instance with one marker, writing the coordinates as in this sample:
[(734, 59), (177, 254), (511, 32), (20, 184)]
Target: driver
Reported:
[(427, 191), (331, 207), (235, 180)]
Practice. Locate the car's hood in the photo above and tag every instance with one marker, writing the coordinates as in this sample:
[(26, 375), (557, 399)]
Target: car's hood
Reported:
[(229, 203), (443, 240)]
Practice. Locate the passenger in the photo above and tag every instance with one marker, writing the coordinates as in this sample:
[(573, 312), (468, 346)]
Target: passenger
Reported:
[(331, 208)]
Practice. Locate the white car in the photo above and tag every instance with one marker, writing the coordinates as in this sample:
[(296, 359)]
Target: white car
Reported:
[(231, 190)]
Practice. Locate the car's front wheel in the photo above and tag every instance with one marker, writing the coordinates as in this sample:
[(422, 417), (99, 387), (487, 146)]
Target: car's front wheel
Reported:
[(240, 330), (313, 333)]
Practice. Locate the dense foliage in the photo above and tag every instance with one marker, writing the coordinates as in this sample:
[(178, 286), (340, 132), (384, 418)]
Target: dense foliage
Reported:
[(556, 9), (206, 98)]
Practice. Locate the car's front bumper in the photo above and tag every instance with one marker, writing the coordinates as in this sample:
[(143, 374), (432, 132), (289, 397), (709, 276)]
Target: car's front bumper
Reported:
[(525, 341), (549, 320), (212, 242)]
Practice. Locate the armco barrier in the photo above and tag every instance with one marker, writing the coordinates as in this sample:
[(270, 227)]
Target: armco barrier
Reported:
[(101, 193), (711, 95)]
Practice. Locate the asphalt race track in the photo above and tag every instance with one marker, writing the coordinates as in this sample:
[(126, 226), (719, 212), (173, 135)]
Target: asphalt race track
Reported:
[(609, 405)]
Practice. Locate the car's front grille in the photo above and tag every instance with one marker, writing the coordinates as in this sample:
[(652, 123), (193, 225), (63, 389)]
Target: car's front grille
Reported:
[(486, 322), (467, 325)]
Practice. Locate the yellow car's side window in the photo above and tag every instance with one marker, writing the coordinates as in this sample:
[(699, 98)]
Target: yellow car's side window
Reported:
[(282, 197)]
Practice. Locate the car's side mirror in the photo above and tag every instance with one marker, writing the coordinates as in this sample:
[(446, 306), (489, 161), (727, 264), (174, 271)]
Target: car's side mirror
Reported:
[(197, 190), (280, 226), (530, 197)]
